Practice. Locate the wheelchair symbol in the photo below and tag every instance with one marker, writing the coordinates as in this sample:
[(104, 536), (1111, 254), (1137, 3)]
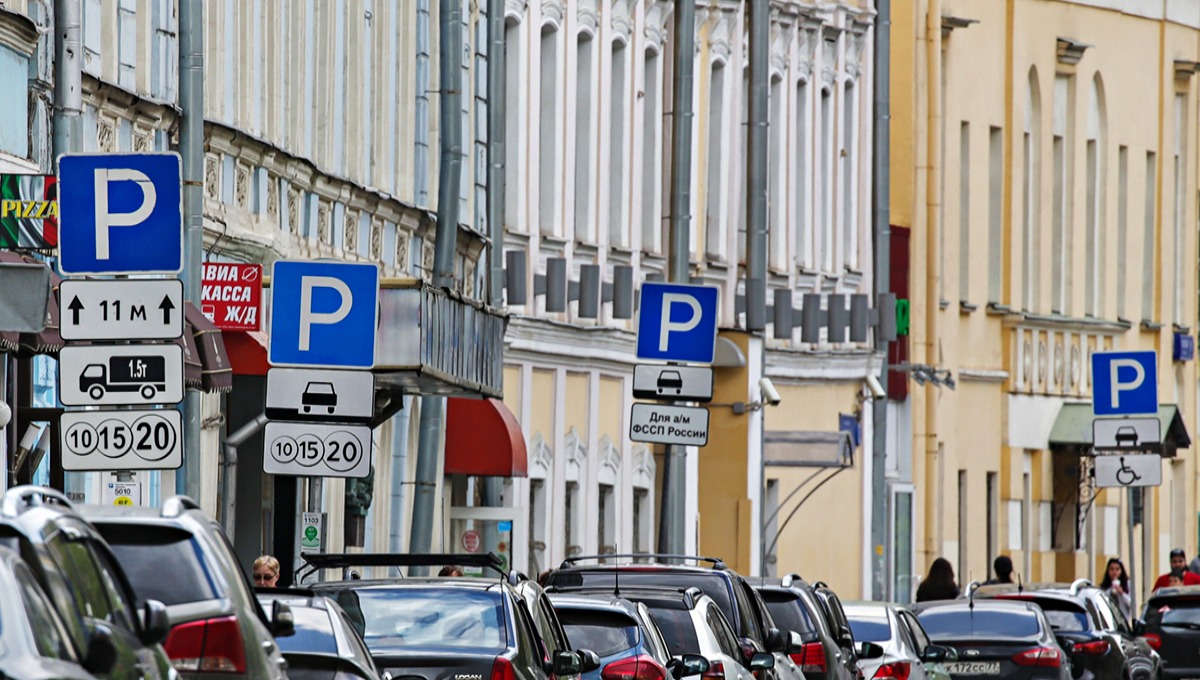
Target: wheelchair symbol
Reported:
[(1126, 475)]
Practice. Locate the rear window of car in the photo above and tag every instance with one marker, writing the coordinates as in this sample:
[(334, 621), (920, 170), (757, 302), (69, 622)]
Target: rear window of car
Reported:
[(676, 626), (314, 633), (1063, 616), (1178, 613), (869, 629), (712, 584), (964, 624), (605, 633), (146, 553), (405, 618), (789, 613)]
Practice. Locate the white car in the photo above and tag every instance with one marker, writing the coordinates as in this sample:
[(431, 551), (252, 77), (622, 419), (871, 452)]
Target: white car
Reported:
[(907, 652)]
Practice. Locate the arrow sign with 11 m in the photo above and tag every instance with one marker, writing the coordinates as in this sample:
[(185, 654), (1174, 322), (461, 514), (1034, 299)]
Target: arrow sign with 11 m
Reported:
[(144, 309)]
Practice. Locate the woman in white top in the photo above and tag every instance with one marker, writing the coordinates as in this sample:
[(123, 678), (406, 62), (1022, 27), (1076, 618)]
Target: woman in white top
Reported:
[(1116, 585)]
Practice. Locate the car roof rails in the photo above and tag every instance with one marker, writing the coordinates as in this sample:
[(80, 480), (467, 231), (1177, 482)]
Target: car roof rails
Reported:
[(716, 562), (293, 591), (690, 594), (177, 505), (789, 579), (1079, 584), (817, 585), (315, 562), (19, 498)]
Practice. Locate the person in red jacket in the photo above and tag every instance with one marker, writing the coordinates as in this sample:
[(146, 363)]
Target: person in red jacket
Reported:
[(1178, 561)]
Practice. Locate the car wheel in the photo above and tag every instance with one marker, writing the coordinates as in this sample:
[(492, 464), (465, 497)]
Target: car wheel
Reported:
[(96, 392)]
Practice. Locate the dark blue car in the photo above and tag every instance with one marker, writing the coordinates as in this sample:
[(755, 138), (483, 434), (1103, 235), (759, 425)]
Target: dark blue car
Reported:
[(620, 632)]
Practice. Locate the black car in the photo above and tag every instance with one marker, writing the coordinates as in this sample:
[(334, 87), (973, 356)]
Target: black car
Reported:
[(440, 627), (1172, 626), (996, 639), (826, 651), (739, 602), (110, 634), (217, 625), (1089, 626), (36, 645), (324, 644)]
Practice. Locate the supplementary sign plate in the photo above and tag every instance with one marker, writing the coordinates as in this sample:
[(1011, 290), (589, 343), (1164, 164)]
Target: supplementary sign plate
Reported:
[(673, 383), (1128, 469), (145, 309), (121, 493), (122, 440), (1128, 434), (317, 449), (661, 424), (112, 375), (316, 394)]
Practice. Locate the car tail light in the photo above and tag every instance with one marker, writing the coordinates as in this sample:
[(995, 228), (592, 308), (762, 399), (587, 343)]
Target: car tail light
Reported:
[(502, 669), (1154, 640), (209, 646), (640, 667), (810, 658), (716, 671), (898, 670), (1039, 656), (1094, 647)]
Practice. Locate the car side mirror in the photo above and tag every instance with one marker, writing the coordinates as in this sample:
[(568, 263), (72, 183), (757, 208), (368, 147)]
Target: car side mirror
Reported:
[(937, 654), (101, 654), (869, 650), (567, 663), (589, 660), (795, 642), (283, 621), (762, 661), (777, 640), (155, 623), (1139, 627), (688, 664)]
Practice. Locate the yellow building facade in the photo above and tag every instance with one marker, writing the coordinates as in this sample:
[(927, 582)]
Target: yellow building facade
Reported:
[(1044, 173)]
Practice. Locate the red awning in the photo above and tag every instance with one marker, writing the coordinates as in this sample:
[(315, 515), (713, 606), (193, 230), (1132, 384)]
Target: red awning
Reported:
[(483, 438), (247, 352)]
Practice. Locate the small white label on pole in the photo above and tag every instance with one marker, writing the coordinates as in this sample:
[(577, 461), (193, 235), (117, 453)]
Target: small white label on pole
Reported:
[(662, 424)]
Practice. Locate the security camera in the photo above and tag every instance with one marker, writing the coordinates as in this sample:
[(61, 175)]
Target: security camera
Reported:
[(877, 390), (5, 415), (770, 395)]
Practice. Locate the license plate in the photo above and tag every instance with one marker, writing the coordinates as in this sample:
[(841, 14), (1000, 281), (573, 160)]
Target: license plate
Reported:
[(974, 668)]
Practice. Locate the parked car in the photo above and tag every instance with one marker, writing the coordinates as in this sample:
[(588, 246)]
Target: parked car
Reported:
[(1089, 626), (36, 645), (826, 649), (435, 627), (622, 633), (906, 652), (217, 625), (995, 638), (1172, 627), (741, 604), (699, 638), (113, 634), (325, 645)]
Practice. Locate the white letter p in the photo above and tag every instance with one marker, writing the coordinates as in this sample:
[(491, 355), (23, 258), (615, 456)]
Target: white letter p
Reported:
[(308, 317), (104, 219), (1117, 386), (666, 326)]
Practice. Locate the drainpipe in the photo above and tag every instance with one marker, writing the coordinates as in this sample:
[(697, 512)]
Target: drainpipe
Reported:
[(399, 470), (191, 148), (495, 147), (756, 167), (933, 217), (425, 486), (229, 473), (450, 131), (880, 203), (671, 524), (68, 76)]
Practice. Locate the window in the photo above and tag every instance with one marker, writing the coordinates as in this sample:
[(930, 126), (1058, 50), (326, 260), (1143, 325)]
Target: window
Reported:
[(147, 553), (714, 235), (48, 634), (1122, 226), (825, 212), (14, 111), (585, 138), (512, 125), (1031, 181), (643, 515), (777, 241), (849, 154), (726, 640), (964, 212), (572, 513), (537, 525), (993, 516), (652, 153), (801, 188), (607, 515), (1095, 244), (1062, 150), (548, 133), (995, 214), (616, 145), (962, 524), (1178, 244), (1149, 273), (433, 617)]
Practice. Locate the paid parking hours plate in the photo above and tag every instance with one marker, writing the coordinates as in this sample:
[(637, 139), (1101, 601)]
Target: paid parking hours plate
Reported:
[(122, 440), (974, 668), (317, 449)]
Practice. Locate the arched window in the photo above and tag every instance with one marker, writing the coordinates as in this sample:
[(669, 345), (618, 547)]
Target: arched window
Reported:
[(652, 154), (585, 139), (714, 235), (1031, 181), (618, 123), (540, 461), (849, 186), (512, 124), (825, 226), (777, 232), (1095, 245), (802, 185), (548, 175)]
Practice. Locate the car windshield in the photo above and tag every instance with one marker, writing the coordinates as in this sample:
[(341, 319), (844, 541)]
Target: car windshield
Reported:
[(605, 633), (148, 552), (869, 628), (1179, 613), (986, 624), (314, 633), (676, 626), (789, 613), (402, 618)]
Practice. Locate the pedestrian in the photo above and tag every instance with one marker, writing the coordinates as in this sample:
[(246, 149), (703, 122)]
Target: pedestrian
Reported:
[(450, 570), (1194, 565), (1115, 584), (266, 572), (939, 583), (1178, 561), (1175, 578), (1003, 567)]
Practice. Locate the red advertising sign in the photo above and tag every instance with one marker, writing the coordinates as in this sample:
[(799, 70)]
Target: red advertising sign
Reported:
[(231, 295)]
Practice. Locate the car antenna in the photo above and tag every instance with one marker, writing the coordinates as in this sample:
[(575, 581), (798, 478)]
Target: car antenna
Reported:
[(971, 588), (616, 574), (1020, 585)]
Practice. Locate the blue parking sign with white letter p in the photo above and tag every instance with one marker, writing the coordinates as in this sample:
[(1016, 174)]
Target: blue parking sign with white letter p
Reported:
[(323, 314), (1125, 383), (677, 322)]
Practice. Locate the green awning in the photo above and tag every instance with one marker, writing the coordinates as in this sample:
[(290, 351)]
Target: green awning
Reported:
[(1073, 426)]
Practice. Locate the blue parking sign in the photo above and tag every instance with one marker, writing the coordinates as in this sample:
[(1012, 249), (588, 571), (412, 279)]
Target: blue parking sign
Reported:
[(120, 213), (677, 322), (323, 314), (1125, 383)]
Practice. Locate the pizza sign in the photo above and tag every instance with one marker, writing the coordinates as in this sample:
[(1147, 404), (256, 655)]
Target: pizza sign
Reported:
[(28, 212), (231, 295)]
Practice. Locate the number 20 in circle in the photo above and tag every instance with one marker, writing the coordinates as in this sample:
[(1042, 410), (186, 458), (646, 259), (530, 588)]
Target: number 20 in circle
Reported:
[(343, 451), (153, 437)]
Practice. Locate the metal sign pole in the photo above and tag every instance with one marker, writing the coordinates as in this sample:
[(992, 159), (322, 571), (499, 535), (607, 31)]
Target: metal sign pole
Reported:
[(1130, 493)]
